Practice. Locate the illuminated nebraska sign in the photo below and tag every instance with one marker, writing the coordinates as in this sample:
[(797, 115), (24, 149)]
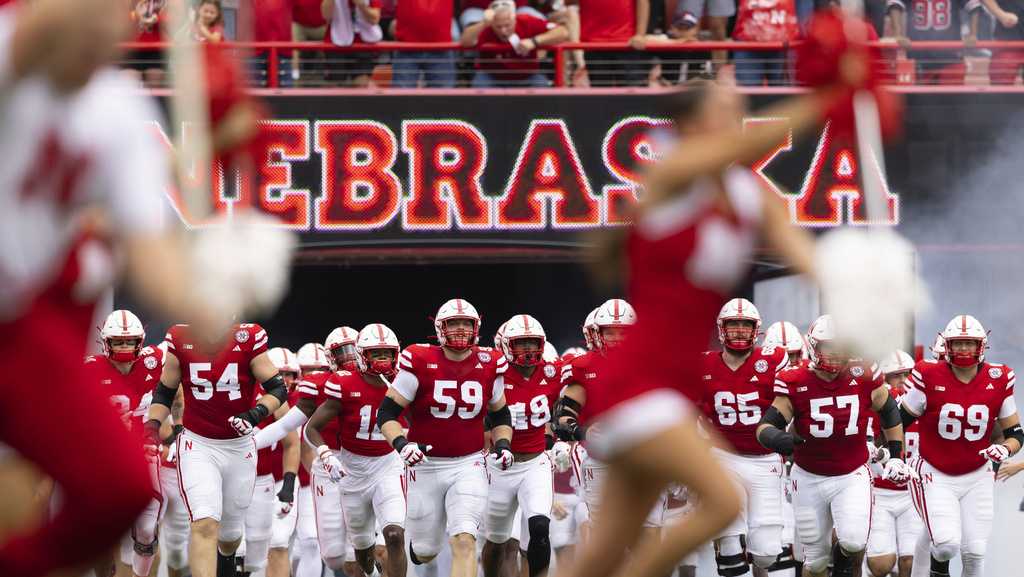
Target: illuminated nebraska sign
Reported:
[(429, 175)]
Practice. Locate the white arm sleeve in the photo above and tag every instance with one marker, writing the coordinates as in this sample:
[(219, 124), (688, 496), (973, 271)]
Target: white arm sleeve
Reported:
[(277, 430), (7, 25), (499, 389), (1008, 408), (406, 384), (914, 401)]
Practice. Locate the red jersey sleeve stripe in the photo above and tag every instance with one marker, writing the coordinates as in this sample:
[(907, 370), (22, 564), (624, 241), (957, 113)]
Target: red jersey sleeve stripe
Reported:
[(1009, 384), (404, 363), (307, 388), (335, 393)]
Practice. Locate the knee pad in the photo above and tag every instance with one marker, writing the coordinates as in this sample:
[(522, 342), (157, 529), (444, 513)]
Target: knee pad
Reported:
[(335, 563), (944, 551), (230, 534), (816, 565), (763, 561), (974, 564), (852, 547), (731, 556), (538, 553), (256, 554), (176, 559)]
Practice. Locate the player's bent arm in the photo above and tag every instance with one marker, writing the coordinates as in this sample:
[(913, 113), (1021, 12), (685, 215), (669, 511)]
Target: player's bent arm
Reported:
[(890, 420), (273, 383), (290, 453), (165, 393), (294, 418), (322, 416), (771, 432), (1012, 432), (389, 411), (501, 420)]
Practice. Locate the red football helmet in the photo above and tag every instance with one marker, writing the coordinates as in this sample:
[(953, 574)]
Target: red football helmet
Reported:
[(517, 330), (341, 344), (965, 328)]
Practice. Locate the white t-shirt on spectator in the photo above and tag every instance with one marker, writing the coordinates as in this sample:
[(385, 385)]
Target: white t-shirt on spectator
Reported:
[(347, 21)]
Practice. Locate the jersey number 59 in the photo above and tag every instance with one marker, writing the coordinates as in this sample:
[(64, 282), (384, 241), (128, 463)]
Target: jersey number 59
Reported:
[(465, 399)]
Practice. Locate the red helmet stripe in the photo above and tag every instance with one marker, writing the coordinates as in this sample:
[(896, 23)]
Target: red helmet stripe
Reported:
[(458, 306), (785, 339), (616, 310), (380, 333), (124, 320), (963, 326), (526, 323), (739, 307)]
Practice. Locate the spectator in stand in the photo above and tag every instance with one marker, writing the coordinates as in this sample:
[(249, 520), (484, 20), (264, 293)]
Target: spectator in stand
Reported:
[(686, 22), (308, 25), (429, 21), (272, 22), (149, 17), (935, 20), (764, 21), (521, 35), (207, 23), (616, 21), (352, 22), (1006, 62)]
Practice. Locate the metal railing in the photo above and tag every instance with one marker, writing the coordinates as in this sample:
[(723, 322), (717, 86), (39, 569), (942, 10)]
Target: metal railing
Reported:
[(446, 65)]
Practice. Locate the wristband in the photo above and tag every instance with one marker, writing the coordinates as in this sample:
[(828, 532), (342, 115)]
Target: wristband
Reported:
[(501, 445), (399, 443), (895, 449)]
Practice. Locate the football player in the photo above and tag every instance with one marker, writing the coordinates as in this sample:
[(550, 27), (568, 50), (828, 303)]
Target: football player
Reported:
[(531, 390), (369, 473), (955, 402), (571, 353), (276, 470), (740, 379), (939, 348), (127, 371), (446, 388), (327, 522), (785, 335), (175, 527), (895, 525), (216, 453), (341, 348), (828, 402)]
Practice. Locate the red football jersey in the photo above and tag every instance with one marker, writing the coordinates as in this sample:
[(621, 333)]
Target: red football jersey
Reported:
[(357, 420), (735, 400), (449, 398), (581, 370), (218, 384), (531, 401), (312, 387), (956, 418), (684, 256), (131, 393), (831, 417), (911, 446)]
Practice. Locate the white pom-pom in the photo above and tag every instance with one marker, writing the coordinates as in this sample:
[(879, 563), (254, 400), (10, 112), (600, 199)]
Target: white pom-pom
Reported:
[(242, 266), (870, 286)]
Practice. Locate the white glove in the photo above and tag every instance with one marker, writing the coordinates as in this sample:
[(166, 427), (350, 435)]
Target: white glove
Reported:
[(172, 452), (997, 453), (898, 472), (501, 457), (413, 455), (561, 456), (241, 426), (878, 454), (329, 463)]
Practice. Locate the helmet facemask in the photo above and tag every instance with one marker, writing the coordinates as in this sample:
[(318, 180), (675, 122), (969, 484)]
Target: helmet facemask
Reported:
[(609, 337), (462, 335), (344, 356), (381, 361), (738, 334), (122, 349), (961, 356), (830, 358), (526, 351)]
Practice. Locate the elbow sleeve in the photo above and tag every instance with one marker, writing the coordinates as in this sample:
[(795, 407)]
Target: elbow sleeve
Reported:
[(889, 414), (501, 417), (389, 410), (163, 395), (275, 387)]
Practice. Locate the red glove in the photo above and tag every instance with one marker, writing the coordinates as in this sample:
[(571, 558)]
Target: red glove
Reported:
[(832, 40)]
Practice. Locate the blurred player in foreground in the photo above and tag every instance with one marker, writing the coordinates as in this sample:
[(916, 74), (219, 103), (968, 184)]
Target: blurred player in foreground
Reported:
[(692, 240), (75, 135)]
